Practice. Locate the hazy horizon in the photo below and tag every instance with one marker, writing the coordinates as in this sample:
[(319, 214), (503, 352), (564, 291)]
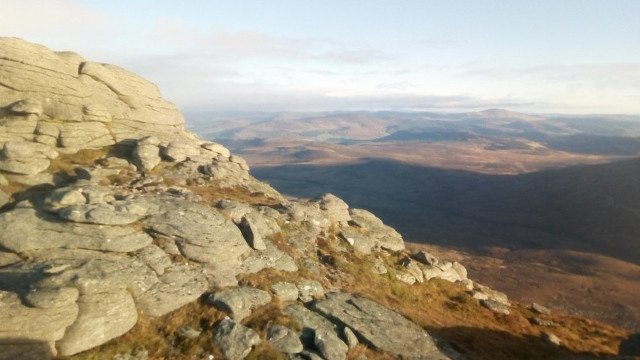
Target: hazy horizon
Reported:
[(570, 57)]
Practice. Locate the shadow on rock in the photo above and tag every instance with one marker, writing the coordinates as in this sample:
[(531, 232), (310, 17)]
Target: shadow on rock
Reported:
[(24, 349)]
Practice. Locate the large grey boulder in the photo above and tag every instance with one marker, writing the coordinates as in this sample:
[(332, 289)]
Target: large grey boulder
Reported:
[(41, 85), (239, 302), (235, 340), (334, 208), (384, 236), (381, 327), (146, 154)]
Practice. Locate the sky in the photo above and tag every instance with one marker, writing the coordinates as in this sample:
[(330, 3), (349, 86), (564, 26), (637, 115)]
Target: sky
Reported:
[(542, 56)]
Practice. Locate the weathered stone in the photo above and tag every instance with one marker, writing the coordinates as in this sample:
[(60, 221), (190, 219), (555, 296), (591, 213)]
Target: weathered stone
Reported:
[(379, 326), (352, 339), (405, 277), (482, 292), (179, 151), (284, 339), (180, 284), (310, 322), (285, 291), (31, 167), (361, 243), (155, 258), (495, 306), (251, 234), (101, 318), (310, 290), (379, 266), (540, 309), (467, 284), (335, 209), (85, 135), (543, 322), (426, 258), (550, 338), (27, 106), (384, 236), (4, 198), (202, 233), (7, 258), (272, 257), (330, 346), (187, 332), (52, 297), (235, 340), (242, 163), (217, 148), (238, 302), (95, 113), (146, 156), (413, 269), (24, 324), (25, 229), (17, 150)]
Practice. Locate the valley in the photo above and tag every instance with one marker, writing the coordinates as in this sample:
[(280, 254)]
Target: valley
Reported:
[(543, 207)]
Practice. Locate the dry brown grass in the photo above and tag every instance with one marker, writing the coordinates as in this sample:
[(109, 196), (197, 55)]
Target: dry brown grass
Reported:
[(65, 164), (158, 336), (211, 194), (447, 311)]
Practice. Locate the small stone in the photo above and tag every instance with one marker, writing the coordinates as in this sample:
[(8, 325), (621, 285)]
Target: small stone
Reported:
[(284, 339), (251, 234), (405, 277), (330, 346), (379, 267), (285, 291), (467, 284), (496, 307), (238, 302), (235, 340), (542, 322), (426, 258), (550, 338), (187, 332), (540, 309), (351, 338), (310, 290)]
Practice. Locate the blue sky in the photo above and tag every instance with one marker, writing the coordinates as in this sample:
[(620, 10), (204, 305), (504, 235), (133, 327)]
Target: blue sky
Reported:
[(534, 56)]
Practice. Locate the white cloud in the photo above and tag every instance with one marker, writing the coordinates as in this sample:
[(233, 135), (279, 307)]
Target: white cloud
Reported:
[(57, 24)]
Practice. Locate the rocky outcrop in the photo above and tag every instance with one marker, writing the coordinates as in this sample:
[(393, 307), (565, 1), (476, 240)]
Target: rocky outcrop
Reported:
[(381, 327), (160, 218)]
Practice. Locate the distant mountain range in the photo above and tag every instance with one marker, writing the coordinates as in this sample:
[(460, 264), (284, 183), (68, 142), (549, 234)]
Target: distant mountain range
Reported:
[(589, 134), (504, 184)]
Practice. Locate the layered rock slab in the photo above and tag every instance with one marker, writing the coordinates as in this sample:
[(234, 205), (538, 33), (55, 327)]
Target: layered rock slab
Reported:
[(380, 327)]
